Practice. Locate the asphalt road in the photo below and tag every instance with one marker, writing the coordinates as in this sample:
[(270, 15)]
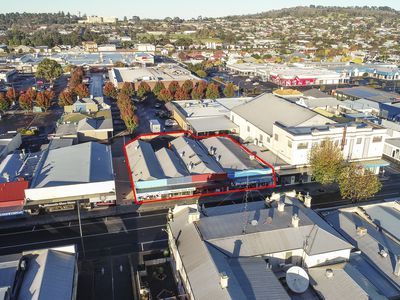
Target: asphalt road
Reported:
[(96, 84), (105, 236)]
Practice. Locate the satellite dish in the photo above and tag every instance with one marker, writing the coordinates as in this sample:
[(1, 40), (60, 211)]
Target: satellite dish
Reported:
[(297, 279)]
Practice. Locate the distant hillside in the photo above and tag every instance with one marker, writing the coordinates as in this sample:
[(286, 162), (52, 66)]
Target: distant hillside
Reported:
[(316, 11)]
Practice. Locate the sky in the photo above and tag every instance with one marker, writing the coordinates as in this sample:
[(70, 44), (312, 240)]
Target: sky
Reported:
[(170, 8)]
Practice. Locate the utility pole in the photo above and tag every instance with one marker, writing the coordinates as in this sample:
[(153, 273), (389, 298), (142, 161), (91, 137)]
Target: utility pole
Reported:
[(80, 227)]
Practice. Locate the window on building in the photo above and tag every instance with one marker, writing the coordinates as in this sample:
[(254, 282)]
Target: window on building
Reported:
[(276, 137), (261, 137), (377, 139), (359, 140), (248, 128), (289, 143), (233, 118), (268, 139), (302, 146)]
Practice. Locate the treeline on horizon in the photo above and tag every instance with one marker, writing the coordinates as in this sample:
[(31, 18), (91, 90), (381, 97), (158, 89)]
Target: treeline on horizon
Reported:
[(25, 19)]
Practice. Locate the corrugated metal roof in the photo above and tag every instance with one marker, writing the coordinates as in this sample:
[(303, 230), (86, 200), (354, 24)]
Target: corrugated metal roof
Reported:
[(229, 155), (82, 163), (50, 275), (12, 191), (274, 109), (256, 280), (143, 161), (195, 156), (370, 244), (346, 283)]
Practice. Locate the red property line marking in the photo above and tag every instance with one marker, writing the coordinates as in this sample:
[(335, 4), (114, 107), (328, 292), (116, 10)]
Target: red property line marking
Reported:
[(198, 137)]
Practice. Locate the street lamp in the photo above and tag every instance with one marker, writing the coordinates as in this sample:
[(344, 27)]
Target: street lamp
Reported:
[(80, 227)]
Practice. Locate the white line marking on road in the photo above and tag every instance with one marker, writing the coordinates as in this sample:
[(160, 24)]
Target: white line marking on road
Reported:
[(77, 225), (85, 236)]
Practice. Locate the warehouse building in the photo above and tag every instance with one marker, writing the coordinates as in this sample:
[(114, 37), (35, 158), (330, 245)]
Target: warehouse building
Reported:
[(189, 167), (208, 116), (151, 75)]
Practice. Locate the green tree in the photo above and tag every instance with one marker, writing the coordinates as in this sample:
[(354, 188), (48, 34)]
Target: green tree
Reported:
[(143, 90), (25, 102), (181, 94), (81, 90), (119, 64), (49, 69), (66, 98), (165, 95), (128, 88), (357, 183), (43, 100), (4, 104), (188, 86), (212, 91), (109, 90), (201, 73), (326, 161), (229, 90), (157, 88), (173, 87), (11, 95)]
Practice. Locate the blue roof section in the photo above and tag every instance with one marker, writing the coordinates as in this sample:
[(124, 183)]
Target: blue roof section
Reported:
[(369, 94)]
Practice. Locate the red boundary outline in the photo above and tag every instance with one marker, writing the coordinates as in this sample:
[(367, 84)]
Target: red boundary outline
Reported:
[(197, 195)]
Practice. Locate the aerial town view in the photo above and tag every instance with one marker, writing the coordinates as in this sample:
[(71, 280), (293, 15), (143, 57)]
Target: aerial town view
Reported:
[(210, 150)]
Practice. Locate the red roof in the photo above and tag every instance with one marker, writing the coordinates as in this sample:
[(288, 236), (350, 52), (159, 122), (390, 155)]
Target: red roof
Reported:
[(12, 192)]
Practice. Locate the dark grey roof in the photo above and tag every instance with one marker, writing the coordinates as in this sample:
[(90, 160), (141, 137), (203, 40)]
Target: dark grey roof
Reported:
[(229, 155), (171, 165), (370, 244), (369, 94), (195, 156), (315, 93), (82, 163), (143, 162), (266, 109)]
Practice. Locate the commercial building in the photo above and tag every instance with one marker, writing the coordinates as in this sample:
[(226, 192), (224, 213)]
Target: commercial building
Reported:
[(206, 116), (290, 75), (243, 251), (87, 105), (289, 131), (189, 166), (94, 129), (39, 274), (164, 73), (82, 172)]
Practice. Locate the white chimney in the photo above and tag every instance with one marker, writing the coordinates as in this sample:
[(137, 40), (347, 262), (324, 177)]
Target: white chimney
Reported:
[(329, 273), (307, 201), (275, 196), (6, 176), (361, 231), (291, 194), (397, 267), (295, 221), (281, 206), (223, 280)]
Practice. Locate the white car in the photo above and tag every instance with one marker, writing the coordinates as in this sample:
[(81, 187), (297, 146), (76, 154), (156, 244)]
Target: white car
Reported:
[(170, 123)]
